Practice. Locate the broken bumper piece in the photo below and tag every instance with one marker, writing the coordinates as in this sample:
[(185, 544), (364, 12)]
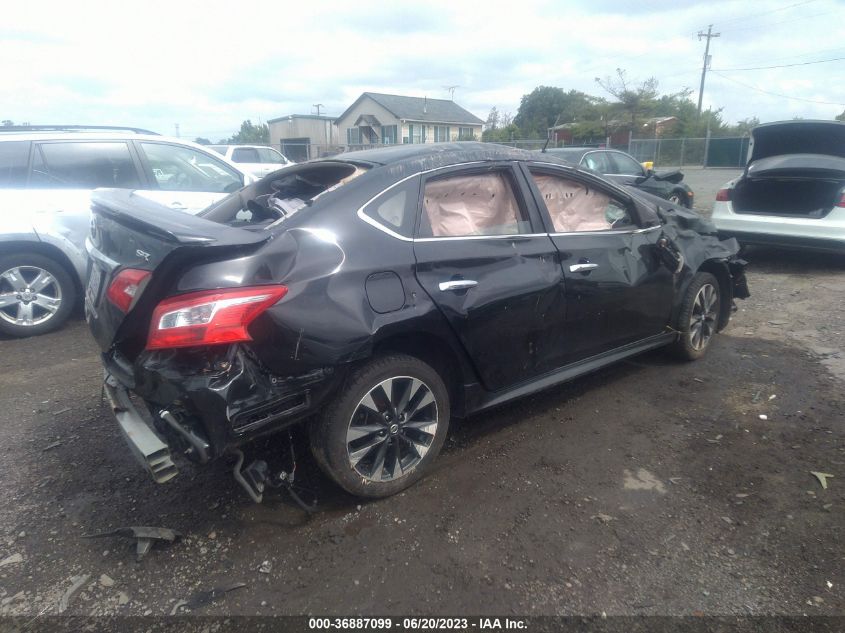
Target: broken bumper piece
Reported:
[(146, 446)]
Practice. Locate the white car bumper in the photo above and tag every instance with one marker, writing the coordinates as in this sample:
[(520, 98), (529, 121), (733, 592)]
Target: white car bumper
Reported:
[(827, 233)]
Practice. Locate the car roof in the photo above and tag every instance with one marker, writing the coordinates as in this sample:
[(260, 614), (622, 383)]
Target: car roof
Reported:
[(86, 136), (569, 152), (439, 153)]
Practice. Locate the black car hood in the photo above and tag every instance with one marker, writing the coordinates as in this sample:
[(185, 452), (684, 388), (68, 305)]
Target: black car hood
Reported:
[(797, 137)]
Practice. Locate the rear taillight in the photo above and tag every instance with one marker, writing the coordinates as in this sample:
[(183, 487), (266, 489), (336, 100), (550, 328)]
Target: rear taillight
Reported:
[(841, 201), (723, 195), (210, 317), (124, 288)]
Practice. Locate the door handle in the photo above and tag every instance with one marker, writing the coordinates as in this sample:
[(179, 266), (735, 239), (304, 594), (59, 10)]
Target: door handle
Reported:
[(457, 284), (581, 268)]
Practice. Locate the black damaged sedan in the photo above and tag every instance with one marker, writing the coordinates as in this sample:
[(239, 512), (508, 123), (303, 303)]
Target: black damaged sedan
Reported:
[(377, 295)]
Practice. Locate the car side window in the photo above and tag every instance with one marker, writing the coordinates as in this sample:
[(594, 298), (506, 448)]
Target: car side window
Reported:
[(626, 165), (178, 168), (575, 207), (395, 209), (245, 155), (598, 161), (80, 165), (472, 204), (271, 156), (14, 160)]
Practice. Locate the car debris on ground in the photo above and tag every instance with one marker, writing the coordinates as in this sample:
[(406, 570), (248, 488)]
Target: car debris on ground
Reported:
[(144, 536)]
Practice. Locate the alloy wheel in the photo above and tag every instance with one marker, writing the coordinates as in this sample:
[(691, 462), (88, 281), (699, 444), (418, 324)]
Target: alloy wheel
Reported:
[(29, 295), (392, 428), (703, 317)]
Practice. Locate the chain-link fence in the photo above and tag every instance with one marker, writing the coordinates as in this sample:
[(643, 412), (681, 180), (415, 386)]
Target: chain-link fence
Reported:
[(663, 152), (677, 152)]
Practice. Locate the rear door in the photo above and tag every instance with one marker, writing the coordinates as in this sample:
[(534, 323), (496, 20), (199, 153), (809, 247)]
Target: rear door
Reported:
[(485, 260), (61, 178), (184, 178), (617, 290)]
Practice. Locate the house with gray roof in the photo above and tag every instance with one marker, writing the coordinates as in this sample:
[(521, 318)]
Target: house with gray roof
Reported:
[(382, 119)]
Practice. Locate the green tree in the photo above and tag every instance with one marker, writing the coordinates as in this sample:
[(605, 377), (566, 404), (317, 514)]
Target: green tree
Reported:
[(546, 106), (632, 101), (250, 133), (744, 127), (840, 117), (202, 140), (492, 119)]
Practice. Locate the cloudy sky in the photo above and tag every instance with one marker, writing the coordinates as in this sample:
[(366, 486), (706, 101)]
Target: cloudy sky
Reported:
[(209, 65)]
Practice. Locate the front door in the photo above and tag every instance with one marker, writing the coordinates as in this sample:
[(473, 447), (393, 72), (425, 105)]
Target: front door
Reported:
[(183, 178), (617, 289), (484, 259)]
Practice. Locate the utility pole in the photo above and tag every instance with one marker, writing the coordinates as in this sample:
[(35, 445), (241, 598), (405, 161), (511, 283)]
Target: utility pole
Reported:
[(176, 129), (318, 106), (709, 35)]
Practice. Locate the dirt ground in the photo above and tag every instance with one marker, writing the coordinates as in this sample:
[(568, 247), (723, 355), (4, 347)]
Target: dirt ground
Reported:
[(652, 487)]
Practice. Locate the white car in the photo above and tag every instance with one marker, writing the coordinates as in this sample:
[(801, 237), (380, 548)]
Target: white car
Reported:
[(256, 159), (47, 174), (792, 192)]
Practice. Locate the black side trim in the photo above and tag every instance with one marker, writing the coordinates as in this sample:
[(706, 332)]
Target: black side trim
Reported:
[(575, 370)]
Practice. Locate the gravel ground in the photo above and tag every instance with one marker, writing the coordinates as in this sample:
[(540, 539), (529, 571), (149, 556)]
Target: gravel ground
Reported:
[(652, 487)]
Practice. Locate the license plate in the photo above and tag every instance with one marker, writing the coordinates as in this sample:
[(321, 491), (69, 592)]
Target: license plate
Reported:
[(92, 291)]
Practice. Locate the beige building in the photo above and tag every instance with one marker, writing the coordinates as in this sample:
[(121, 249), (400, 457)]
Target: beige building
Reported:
[(303, 136), (381, 119)]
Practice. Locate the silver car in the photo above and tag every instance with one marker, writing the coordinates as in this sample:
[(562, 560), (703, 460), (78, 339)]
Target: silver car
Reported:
[(792, 192), (46, 178)]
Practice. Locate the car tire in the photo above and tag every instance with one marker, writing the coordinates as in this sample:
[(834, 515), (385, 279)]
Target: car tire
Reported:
[(680, 198), (46, 309), (698, 319), (380, 434)]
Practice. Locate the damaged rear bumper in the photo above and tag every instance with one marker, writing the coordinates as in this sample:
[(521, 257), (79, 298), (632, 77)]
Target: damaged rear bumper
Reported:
[(146, 446), (203, 404)]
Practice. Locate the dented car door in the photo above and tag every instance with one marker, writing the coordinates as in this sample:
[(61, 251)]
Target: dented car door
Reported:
[(484, 259), (617, 289)]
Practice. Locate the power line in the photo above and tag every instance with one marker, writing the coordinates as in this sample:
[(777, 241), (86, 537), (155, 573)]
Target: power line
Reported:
[(819, 61), (758, 14), (775, 94), (757, 27)]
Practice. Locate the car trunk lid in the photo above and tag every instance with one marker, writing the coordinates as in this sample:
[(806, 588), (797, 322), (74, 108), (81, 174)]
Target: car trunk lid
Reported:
[(797, 137), (131, 232), (795, 169)]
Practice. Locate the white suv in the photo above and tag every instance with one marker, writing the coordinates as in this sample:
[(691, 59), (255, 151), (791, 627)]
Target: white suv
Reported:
[(47, 174), (256, 159)]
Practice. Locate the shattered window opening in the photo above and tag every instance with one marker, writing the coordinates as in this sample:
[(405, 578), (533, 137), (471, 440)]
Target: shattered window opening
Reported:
[(270, 202)]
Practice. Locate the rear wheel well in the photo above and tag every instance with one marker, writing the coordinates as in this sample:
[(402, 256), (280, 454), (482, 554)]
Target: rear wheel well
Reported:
[(720, 271), (436, 353), (46, 250)]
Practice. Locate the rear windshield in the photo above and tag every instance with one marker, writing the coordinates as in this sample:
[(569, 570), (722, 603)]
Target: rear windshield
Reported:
[(272, 200)]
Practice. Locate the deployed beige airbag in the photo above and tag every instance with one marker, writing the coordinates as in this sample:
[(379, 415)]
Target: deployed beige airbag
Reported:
[(572, 206), (481, 204)]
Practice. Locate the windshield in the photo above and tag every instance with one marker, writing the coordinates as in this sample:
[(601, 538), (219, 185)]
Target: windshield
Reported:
[(272, 200)]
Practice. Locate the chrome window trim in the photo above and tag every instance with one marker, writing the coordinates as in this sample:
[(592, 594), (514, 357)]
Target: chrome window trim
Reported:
[(508, 236), (384, 229), (609, 232)]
